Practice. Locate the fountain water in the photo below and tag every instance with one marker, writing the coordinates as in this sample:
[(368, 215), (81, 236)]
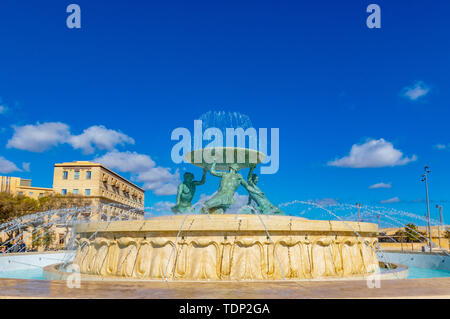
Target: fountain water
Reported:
[(43, 223), (427, 265), (37, 231), (224, 119)]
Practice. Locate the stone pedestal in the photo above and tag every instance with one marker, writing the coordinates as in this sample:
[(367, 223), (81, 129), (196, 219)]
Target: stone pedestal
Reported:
[(226, 247)]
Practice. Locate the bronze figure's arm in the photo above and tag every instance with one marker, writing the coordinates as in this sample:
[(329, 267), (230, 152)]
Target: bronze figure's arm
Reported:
[(202, 181), (244, 183), (214, 172), (250, 172)]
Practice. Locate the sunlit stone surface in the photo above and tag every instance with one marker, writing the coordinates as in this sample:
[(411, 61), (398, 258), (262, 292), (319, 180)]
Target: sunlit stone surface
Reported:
[(226, 247)]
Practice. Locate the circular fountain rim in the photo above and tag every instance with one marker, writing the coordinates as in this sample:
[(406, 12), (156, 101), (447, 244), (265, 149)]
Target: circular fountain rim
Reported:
[(226, 223), (224, 165)]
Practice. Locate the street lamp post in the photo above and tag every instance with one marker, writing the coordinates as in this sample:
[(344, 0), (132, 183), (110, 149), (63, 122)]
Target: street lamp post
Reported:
[(359, 215), (425, 179), (440, 224)]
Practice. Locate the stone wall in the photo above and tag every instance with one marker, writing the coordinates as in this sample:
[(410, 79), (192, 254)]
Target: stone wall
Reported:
[(295, 249)]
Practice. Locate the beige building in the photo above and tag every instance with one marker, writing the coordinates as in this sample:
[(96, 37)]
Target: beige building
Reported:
[(102, 185), (19, 186), (111, 195)]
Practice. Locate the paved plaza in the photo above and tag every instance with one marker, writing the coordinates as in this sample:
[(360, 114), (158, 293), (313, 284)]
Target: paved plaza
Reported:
[(408, 288)]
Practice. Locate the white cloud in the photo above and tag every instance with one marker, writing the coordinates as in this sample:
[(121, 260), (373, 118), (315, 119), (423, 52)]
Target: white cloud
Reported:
[(41, 137), (7, 167), (98, 137), (203, 198), (129, 162), (390, 200), (239, 202), (3, 109), (26, 166), (158, 179), (373, 153), (159, 208), (415, 92), (441, 146), (380, 185)]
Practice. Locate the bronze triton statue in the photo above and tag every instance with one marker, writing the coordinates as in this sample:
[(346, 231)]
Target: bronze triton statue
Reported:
[(229, 183), (263, 205), (223, 198), (186, 192)]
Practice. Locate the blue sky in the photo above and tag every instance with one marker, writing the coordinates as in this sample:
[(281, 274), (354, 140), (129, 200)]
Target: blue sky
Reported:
[(136, 70)]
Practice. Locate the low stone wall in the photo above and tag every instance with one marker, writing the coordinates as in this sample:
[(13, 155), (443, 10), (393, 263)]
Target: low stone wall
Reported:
[(31, 260), (226, 247), (420, 260), (414, 246)]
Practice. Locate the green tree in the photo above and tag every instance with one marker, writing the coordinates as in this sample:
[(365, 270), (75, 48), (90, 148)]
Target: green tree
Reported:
[(409, 234), (48, 238), (58, 201), (16, 206), (43, 237), (36, 240), (412, 234), (12, 207)]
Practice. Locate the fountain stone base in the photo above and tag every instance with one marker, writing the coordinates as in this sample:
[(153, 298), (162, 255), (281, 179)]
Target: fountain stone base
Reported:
[(226, 248)]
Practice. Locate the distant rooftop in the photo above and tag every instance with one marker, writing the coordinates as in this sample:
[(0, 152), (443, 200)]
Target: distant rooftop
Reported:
[(93, 164), (79, 163)]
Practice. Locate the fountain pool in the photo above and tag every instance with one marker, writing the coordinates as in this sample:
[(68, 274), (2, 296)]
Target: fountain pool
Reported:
[(31, 265)]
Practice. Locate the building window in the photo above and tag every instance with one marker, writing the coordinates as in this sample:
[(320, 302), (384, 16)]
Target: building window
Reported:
[(87, 192), (65, 174), (77, 175), (75, 191), (41, 195), (21, 193), (30, 193), (64, 191), (88, 175)]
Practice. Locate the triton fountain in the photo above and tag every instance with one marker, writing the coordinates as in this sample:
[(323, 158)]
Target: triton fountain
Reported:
[(220, 245)]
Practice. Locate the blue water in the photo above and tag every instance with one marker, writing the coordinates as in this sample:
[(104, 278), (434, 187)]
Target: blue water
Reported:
[(33, 273), (416, 272), (38, 273)]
